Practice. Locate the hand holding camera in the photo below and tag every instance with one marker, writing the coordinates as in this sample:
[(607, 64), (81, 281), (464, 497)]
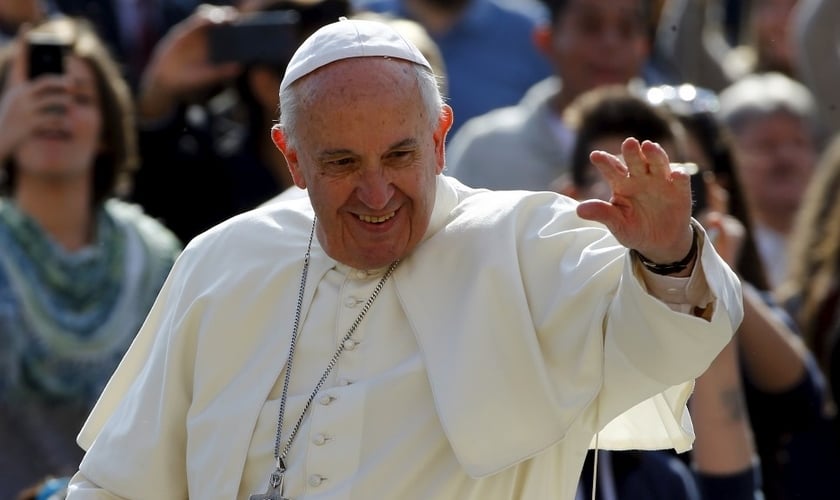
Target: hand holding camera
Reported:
[(36, 90), (181, 67)]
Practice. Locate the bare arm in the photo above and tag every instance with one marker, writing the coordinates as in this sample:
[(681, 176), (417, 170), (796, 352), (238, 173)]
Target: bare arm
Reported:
[(724, 443), (774, 356)]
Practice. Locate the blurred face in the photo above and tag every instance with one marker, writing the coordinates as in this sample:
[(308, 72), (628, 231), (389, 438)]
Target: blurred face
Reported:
[(774, 159), (367, 151), (598, 42), (66, 147), (595, 186), (770, 24)]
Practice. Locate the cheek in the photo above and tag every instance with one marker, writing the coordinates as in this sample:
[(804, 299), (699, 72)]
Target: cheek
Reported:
[(328, 195), (88, 123)]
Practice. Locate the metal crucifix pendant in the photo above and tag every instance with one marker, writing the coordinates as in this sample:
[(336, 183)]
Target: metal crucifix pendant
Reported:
[(275, 487)]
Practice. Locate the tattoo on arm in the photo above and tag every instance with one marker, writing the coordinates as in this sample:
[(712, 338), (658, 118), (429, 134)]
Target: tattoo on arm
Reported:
[(733, 401)]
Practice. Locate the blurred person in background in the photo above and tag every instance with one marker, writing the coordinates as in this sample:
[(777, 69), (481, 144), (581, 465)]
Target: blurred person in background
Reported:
[(526, 146), (205, 121), (776, 139), (487, 47), (811, 291), (784, 388), (79, 269), (692, 41)]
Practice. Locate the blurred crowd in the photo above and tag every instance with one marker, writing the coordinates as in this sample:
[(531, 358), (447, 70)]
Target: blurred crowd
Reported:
[(157, 128)]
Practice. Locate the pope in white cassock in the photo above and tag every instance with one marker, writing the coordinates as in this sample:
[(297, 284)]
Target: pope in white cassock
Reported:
[(398, 335)]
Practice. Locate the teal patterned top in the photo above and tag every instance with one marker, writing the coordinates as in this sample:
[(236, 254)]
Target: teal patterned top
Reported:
[(66, 319)]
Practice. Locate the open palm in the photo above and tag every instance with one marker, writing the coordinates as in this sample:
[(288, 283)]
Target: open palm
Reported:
[(650, 207)]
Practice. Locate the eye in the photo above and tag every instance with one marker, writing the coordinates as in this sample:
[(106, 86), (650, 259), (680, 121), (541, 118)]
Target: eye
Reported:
[(340, 162), (339, 165), (399, 157)]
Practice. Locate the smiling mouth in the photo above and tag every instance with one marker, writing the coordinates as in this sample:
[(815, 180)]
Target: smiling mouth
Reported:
[(52, 133), (375, 220)]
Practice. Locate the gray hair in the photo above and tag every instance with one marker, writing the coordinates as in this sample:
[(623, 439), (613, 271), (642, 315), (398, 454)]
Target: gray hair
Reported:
[(756, 96), (291, 99)]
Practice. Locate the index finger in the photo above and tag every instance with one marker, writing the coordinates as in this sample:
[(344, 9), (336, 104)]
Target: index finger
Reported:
[(18, 61)]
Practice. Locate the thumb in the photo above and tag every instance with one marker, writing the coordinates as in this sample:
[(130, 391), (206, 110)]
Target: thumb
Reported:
[(597, 210), (19, 57)]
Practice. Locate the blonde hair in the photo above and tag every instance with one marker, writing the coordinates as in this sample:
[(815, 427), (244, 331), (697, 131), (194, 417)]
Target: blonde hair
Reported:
[(815, 247)]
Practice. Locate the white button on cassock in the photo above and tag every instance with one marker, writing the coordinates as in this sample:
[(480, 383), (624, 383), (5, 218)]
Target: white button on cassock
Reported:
[(316, 479), (350, 344), (319, 439), (351, 301)]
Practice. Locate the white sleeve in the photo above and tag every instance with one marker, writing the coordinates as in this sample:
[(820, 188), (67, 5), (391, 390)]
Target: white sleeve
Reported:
[(81, 488)]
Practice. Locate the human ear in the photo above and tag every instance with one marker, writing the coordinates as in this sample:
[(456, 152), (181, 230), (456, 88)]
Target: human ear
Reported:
[(444, 124), (290, 153), (541, 37)]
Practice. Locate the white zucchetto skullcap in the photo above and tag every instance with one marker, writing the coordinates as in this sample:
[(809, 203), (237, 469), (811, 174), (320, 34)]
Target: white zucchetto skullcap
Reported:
[(348, 38)]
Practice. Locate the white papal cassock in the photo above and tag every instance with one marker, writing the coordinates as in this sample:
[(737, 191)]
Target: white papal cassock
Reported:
[(493, 355)]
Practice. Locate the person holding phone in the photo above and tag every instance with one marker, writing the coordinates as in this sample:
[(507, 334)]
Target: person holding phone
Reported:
[(203, 113), (79, 268)]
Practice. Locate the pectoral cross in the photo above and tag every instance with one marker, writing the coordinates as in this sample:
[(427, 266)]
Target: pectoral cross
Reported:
[(275, 487)]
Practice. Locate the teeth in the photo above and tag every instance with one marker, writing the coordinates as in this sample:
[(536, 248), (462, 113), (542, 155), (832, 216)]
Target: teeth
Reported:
[(369, 218)]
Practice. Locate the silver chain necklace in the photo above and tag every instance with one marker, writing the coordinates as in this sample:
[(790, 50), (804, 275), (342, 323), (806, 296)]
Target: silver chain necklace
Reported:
[(275, 483)]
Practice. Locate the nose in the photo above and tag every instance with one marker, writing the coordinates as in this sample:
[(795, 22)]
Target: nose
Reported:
[(375, 189)]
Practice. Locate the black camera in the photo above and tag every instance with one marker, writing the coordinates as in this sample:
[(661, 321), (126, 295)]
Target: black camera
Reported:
[(265, 37), (46, 54), (699, 191)]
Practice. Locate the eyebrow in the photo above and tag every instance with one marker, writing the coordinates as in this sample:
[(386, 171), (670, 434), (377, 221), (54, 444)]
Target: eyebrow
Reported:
[(409, 142), (404, 143)]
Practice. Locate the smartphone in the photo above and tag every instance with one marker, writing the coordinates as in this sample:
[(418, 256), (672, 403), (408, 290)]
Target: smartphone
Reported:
[(269, 37), (46, 54), (699, 193)]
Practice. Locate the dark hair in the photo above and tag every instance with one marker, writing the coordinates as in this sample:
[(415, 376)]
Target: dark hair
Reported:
[(613, 110), (118, 158)]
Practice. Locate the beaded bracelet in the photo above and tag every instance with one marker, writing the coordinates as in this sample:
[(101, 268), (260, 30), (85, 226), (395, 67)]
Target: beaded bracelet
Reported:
[(673, 267)]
